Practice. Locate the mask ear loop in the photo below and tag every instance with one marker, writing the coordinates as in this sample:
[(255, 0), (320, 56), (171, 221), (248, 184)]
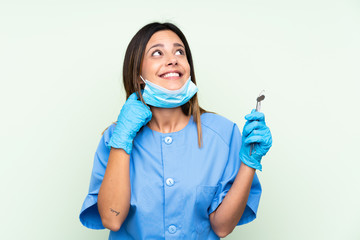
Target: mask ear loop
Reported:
[(140, 97), (147, 106), (143, 81)]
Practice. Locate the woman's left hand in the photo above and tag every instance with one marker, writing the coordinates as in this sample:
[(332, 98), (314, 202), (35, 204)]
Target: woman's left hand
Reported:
[(255, 132)]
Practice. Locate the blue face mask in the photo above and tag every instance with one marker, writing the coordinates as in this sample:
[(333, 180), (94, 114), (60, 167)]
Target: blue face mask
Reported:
[(157, 96)]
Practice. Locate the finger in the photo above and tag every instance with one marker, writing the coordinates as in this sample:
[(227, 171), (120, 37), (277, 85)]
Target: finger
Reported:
[(252, 125), (254, 139), (258, 116), (262, 136)]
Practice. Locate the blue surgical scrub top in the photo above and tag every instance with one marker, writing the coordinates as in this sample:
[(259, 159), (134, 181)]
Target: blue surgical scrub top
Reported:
[(175, 185)]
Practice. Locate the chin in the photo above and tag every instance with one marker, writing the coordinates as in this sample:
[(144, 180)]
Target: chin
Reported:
[(174, 86)]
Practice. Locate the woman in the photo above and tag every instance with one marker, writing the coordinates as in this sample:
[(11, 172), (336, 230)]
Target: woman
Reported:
[(168, 168)]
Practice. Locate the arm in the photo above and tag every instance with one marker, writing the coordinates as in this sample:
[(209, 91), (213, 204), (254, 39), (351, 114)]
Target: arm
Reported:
[(115, 191), (225, 218)]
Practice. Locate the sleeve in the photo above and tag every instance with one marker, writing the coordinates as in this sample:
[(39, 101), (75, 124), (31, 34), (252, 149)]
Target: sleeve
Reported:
[(89, 214), (228, 177)]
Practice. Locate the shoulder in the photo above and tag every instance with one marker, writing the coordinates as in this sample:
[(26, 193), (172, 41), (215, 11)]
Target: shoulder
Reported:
[(220, 125), (107, 133)]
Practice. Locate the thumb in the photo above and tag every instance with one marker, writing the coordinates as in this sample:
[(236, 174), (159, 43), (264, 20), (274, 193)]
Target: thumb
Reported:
[(133, 96)]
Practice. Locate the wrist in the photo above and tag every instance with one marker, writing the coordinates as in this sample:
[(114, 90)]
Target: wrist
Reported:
[(120, 139), (251, 163)]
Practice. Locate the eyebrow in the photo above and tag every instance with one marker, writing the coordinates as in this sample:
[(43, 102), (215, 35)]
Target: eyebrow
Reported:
[(162, 45)]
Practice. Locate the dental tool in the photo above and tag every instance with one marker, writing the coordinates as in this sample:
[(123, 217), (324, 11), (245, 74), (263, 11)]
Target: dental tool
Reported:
[(260, 98)]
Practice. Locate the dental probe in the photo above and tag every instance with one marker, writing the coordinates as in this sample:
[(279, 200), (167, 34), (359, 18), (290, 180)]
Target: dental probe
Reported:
[(260, 98)]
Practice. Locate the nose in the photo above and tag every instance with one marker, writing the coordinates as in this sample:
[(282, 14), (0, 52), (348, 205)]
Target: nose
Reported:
[(172, 61)]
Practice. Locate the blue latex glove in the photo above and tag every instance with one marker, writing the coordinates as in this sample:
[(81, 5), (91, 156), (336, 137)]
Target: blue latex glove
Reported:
[(133, 115), (255, 131)]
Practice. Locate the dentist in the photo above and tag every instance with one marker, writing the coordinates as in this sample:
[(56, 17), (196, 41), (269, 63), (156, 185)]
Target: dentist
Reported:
[(168, 169)]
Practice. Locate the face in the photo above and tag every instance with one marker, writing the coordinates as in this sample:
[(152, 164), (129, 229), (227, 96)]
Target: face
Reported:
[(165, 62)]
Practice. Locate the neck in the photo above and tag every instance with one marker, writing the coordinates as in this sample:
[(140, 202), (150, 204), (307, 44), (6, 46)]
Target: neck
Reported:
[(167, 120)]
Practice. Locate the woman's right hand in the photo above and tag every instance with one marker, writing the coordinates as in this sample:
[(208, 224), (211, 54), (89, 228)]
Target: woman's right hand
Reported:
[(133, 115)]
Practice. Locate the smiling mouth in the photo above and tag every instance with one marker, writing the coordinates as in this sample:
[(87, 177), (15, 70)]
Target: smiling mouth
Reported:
[(171, 75)]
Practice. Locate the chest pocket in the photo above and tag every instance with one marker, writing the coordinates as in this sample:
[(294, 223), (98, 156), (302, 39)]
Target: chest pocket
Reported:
[(204, 197)]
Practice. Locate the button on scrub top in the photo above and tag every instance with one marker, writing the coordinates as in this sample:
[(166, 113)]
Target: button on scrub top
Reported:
[(175, 185)]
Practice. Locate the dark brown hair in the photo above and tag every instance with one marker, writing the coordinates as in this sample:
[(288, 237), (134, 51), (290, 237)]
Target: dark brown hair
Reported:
[(133, 62)]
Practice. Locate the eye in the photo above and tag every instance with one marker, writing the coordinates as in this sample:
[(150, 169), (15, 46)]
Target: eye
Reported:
[(179, 52), (156, 53)]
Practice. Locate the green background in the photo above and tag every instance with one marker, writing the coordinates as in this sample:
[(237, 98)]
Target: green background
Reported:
[(61, 87)]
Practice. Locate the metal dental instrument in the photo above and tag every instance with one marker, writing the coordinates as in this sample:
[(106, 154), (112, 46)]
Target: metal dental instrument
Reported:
[(258, 106)]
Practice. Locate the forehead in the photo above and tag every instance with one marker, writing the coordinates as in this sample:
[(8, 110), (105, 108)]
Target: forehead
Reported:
[(164, 37)]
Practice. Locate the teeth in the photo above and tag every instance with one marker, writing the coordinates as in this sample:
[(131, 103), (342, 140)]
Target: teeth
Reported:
[(171, 75)]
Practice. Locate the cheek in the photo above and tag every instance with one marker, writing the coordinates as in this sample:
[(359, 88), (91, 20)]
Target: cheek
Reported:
[(149, 67), (144, 67), (188, 70), (186, 66)]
